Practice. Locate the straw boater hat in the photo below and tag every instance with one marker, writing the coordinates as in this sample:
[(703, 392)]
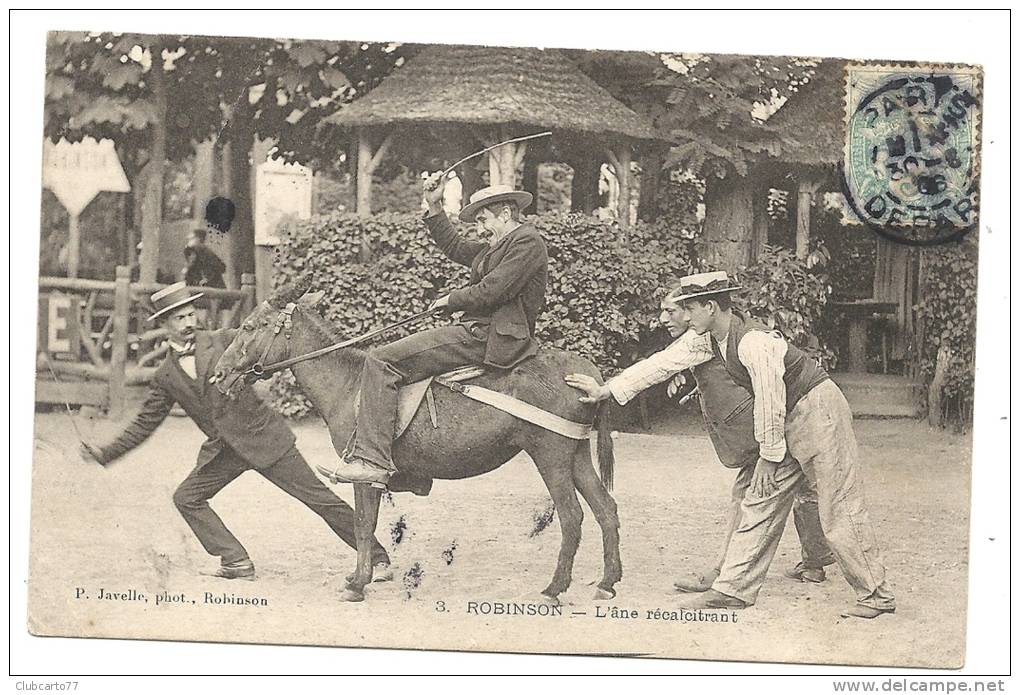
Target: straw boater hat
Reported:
[(171, 297), (701, 285), (491, 195)]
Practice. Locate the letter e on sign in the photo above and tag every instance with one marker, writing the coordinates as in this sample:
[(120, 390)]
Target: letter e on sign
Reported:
[(61, 325)]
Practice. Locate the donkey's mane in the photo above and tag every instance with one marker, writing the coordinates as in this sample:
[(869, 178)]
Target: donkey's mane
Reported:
[(350, 357)]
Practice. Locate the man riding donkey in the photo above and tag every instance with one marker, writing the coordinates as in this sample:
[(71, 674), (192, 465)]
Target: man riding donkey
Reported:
[(497, 328)]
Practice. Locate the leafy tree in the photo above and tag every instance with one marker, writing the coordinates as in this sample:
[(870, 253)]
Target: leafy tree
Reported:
[(716, 113), (229, 89)]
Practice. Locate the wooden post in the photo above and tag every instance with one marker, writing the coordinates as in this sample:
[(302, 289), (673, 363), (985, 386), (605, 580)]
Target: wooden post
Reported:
[(529, 182), (247, 302), (759, 222), (805, 190), (73, 246), (368, 162), (938, 381), (620, 157), (584, 186), (118, 354)]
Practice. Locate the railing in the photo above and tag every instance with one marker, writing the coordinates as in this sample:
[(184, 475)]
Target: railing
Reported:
[(94, 343)]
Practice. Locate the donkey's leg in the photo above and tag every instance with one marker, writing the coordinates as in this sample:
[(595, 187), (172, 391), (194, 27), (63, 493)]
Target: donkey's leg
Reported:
[(604, 507), (366, 512), (554, 463)]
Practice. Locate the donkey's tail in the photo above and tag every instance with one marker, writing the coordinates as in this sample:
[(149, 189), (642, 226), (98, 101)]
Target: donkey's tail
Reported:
[(604, 444)]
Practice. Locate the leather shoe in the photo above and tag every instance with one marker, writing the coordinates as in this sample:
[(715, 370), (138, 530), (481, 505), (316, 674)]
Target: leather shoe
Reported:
[(242, 569), (353, 470), (696, 582), (866, 612), (802, 573), (712, 599)]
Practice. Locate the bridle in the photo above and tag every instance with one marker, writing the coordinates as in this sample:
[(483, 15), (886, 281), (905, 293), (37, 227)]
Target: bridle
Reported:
[(283, 323)]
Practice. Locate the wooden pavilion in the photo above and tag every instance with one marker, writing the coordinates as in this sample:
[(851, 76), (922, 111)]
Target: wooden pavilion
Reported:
[(458, 99)]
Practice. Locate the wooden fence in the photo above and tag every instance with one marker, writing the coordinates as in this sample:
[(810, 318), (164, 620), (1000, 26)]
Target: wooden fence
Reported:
[(94, 340)]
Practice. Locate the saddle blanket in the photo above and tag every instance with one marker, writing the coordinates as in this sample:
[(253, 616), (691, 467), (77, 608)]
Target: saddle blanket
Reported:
[(409, 399)]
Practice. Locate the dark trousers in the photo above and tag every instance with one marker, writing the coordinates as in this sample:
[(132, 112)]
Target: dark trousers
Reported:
[(409, 359), (291, 474)]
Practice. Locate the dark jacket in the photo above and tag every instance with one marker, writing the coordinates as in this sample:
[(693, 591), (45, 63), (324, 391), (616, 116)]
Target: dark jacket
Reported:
[(507, 290), (207, 269), (246, 425)]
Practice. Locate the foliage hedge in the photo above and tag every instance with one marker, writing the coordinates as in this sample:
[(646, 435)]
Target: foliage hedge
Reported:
[(948, 307), (601, 298), (785, 293)]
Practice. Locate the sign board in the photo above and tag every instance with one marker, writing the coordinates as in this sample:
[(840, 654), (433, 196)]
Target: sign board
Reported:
[(281, 190), (58, 325), (77, 172)]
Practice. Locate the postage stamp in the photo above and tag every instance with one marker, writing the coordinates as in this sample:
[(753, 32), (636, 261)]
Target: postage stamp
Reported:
[(912, 157)]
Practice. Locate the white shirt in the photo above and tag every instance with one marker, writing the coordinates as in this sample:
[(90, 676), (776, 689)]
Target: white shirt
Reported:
[(761, 353), (187, 362)]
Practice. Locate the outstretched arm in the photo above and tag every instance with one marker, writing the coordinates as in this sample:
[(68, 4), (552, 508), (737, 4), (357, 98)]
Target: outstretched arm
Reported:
[(155, 409), (685, 352)]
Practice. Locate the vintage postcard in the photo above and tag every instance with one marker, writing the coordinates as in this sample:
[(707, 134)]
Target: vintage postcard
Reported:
[(487, 348)]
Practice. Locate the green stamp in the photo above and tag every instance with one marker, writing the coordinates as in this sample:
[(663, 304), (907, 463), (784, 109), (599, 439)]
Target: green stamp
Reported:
[(912, 150)]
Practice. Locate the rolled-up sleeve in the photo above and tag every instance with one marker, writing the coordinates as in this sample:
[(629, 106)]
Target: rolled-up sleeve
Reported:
[(764, 356), (685, 352)]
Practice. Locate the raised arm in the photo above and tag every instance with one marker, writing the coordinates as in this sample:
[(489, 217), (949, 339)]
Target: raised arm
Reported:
[(455, 246)]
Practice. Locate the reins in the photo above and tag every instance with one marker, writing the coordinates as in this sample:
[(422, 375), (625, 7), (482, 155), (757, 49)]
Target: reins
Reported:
[(283, 322)]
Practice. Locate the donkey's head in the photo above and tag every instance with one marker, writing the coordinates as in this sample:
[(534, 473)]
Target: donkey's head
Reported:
[(261, 341)]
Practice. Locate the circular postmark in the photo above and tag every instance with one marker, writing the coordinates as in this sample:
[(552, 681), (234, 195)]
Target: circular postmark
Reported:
[(911, 165)]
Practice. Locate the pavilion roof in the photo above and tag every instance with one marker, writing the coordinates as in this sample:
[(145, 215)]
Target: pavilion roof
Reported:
[(487, 85)]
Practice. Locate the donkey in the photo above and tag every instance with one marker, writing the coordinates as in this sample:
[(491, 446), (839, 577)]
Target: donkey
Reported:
[(471, 439)]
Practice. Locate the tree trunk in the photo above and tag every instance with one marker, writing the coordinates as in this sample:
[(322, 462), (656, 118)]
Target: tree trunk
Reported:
[(152, 204), (242, 231), (729, 222), (202, 185)]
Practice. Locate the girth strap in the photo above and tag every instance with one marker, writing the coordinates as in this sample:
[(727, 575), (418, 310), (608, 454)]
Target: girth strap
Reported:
[(520, 409)]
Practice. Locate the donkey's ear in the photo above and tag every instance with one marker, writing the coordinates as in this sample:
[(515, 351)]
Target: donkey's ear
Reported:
[(311, 298)]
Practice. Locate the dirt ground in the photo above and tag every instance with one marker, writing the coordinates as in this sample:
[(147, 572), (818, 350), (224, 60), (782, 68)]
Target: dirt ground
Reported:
[(479, 541)]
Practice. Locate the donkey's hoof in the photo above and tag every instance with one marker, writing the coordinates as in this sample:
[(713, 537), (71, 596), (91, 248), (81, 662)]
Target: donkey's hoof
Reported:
[(352, 595), (604, 594)]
